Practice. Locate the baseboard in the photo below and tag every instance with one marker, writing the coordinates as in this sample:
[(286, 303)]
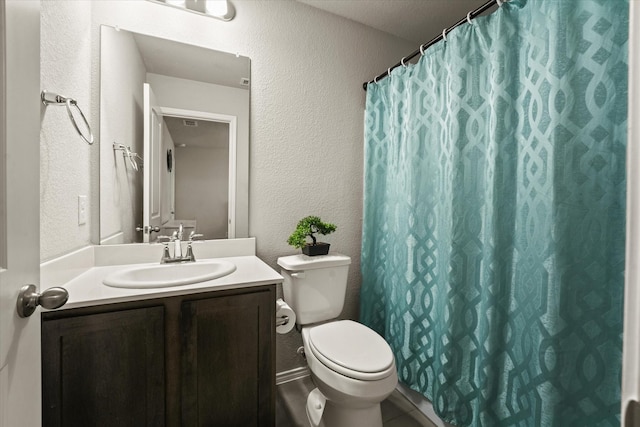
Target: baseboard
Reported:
[(292, 375)]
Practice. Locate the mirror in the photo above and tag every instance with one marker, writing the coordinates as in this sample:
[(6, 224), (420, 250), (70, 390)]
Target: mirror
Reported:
[(174, 139)]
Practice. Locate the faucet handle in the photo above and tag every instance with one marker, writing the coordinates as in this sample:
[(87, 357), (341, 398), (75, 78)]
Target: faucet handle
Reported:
[(193, 236), (163, 239)]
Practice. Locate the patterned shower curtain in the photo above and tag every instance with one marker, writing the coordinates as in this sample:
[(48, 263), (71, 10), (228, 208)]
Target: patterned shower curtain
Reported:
[(494, 216)]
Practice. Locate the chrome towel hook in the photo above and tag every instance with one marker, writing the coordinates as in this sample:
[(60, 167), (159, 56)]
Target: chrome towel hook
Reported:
[(49, 98), (132, 157)]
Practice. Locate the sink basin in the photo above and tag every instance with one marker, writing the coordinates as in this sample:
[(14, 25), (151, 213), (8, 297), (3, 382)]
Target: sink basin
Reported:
[(165, 275)]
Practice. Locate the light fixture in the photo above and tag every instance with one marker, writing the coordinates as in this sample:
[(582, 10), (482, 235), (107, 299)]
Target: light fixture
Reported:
[(218, 9)]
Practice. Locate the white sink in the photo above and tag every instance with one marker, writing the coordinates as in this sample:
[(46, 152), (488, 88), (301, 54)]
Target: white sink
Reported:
[(165, 275)]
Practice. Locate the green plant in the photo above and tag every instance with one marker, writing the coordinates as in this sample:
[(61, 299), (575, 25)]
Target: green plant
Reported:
[(306, 228)]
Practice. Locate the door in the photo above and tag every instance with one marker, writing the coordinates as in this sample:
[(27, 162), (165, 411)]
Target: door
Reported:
[(228, 371), (151, 187), (19, 210)]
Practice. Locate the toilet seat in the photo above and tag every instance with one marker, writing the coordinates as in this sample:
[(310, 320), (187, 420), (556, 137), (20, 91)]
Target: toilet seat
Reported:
[(351, 349)]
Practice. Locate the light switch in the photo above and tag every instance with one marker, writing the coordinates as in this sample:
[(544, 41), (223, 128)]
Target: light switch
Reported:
[(82, 210)]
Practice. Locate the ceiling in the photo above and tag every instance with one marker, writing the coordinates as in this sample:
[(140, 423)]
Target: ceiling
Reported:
[(171, 58), (415, 20), (199, 133)]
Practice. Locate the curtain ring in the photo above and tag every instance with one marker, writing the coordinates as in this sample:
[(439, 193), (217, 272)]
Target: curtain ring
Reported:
[(444, 34), (402, 62), (422, 49), (469, 17), (375, 79), (499, 2), (389, 72)]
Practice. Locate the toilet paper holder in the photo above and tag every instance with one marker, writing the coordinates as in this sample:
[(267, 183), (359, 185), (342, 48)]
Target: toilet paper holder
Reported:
[(285, 317), (280, 321)]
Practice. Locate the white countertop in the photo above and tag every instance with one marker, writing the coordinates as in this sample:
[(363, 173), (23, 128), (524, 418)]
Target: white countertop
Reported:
[(87, 288)]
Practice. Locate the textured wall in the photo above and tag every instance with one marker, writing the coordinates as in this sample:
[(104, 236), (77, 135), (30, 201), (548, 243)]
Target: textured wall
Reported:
[(306, 126), (65, 159), (202, 188)]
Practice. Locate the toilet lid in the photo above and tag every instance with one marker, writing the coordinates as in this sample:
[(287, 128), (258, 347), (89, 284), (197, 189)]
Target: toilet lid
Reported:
[(352, 349)]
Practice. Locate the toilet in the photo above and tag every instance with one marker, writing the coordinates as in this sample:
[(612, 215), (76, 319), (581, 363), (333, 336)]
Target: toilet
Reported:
[(352, 366)]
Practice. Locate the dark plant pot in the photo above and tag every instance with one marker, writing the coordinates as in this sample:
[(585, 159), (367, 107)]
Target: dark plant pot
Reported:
[(319, 248)]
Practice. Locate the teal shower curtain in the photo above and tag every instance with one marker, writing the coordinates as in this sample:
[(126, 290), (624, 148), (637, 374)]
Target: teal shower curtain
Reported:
[(494, 216)]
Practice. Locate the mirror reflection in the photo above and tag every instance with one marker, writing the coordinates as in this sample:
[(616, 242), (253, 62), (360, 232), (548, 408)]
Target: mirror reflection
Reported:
[(197, 153), (174, 139)]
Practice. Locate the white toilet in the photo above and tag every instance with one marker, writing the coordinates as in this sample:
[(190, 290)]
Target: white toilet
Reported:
[(351, 365)]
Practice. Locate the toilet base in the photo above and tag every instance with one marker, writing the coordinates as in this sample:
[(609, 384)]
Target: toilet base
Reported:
[(325, 413)]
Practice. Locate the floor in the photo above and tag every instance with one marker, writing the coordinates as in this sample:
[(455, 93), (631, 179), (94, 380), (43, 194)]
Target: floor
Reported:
[(291, 399)]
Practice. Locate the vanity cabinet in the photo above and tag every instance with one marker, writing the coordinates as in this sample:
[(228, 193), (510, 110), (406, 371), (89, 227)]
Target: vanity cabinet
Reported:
[(104, 369), (205, 359), (227, 361)]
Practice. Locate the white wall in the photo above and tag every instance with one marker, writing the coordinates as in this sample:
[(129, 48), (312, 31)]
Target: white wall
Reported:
[(65, 159), (202, 189), (121, 121), (306, 129)]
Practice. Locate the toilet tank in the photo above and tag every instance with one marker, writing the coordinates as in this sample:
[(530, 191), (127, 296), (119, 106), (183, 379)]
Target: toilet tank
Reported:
[(315, 286)]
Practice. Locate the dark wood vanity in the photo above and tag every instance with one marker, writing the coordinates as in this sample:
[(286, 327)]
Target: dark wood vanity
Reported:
[(204, 359)]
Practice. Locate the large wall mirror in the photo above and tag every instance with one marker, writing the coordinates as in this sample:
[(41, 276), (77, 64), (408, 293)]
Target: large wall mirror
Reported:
[(174, 139)]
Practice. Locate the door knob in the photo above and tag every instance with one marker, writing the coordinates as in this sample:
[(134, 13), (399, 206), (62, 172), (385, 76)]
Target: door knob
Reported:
[(29, 299)]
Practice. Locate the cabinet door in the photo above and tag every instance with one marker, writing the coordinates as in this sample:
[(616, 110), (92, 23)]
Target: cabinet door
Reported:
[(104, 369), (227, 361)]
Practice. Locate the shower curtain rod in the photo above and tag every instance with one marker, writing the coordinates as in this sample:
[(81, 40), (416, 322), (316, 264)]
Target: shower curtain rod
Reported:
[(428, 44)]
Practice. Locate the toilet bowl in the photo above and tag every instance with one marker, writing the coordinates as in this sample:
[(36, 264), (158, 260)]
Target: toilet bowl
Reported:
[(353, 369), (351, 365)]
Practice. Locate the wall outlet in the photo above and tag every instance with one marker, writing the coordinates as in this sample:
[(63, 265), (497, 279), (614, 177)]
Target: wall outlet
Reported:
[(82, 210)]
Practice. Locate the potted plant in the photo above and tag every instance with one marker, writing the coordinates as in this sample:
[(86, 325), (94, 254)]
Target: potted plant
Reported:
[(306, 228)]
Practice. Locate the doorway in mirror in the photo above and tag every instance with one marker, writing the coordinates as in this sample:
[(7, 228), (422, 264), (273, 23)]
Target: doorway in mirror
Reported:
[(197, 177)]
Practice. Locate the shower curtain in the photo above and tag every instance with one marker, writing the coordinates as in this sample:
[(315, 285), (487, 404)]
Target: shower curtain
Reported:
[(494, 216)]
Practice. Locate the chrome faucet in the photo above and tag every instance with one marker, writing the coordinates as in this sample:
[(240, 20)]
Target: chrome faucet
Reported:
[(177, 242), (176, 239)]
